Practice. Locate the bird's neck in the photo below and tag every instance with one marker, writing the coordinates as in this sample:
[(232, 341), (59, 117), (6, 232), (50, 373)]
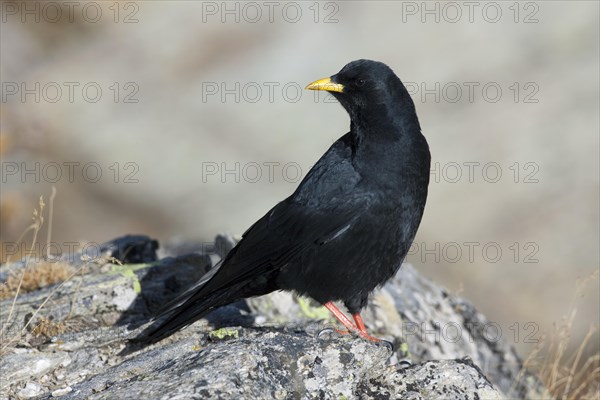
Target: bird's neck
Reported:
[(385, 124), (393, 118), (388, 140)]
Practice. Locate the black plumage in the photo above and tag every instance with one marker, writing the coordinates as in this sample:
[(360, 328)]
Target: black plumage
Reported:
[(347, 227)]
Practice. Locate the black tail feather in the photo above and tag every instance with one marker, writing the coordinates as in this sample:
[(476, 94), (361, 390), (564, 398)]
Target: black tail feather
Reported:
[(186, 314)]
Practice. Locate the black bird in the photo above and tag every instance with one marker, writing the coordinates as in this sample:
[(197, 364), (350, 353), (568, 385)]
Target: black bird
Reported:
[(348, 226)]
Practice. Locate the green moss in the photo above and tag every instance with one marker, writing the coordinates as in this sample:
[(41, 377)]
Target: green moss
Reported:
[(405, 350), (128, 271), (312, 312), (224, 333)]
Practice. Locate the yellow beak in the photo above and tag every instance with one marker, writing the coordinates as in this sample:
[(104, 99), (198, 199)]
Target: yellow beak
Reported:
[(326, 84)]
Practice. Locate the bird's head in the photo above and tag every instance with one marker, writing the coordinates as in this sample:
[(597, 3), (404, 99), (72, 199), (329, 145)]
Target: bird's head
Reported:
[(367, 90)]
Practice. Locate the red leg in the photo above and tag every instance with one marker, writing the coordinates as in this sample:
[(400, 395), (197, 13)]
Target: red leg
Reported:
[(359, 322), (362, 329), (359, 328), (340, 316)]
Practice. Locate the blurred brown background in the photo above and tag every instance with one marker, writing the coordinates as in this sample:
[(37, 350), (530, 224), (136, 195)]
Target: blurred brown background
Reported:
[(194, 115)]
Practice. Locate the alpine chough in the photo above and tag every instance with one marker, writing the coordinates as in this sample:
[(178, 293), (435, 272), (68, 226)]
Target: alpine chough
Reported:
[(349, 224)]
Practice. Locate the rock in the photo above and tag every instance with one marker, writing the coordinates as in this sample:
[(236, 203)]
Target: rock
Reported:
[(223, 244), (277, 346), (132, 249), (30, 390), (276, 363), (61, 392), (449, 379), (28, 366), (110, 294)]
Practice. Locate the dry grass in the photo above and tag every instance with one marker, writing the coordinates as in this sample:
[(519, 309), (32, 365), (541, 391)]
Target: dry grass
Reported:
[(34, 276), (37, 276), (48, 327), (568, 376)]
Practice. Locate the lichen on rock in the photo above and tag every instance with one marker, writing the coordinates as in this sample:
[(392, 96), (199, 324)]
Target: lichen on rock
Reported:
[(269, 347)]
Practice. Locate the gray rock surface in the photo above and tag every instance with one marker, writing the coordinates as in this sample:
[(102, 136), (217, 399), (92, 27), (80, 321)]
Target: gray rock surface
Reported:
[(278, 346)]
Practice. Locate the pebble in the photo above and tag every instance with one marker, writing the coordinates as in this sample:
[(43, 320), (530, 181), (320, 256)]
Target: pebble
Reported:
[(31, 389), (62, 392)]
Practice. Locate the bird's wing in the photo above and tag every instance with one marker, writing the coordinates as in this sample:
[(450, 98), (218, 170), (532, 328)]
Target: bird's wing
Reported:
[(324, 206), (326, 203)]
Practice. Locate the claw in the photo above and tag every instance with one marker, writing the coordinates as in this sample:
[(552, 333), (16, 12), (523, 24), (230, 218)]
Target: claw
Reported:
[(404, 363), (325, 332), (388, 344)]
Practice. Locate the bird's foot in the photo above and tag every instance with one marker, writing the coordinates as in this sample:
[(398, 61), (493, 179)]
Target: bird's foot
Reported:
[(389, 345), (365, 335), (358, 327), (343, 331), (329, 331)]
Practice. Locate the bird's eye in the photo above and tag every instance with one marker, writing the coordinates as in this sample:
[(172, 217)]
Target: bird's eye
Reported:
[(360, 82)]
